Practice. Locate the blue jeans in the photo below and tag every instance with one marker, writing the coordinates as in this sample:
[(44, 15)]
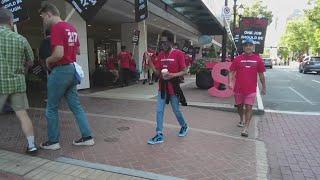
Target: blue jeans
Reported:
[(174, 101), (62, 83)]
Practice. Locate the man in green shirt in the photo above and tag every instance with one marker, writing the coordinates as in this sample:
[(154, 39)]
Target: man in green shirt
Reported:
[(15, 51)]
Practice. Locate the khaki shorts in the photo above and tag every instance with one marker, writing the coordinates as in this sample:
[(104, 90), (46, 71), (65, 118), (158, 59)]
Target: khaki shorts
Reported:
[(17, 101)]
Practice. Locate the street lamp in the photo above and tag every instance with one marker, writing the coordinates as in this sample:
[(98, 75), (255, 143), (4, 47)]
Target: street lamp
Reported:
[(234, 25), (240, 12)]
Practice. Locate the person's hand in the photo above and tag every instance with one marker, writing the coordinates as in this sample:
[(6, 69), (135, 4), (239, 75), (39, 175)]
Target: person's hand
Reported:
[(48, 64), (231, 85), (263, 91), (169, 76)]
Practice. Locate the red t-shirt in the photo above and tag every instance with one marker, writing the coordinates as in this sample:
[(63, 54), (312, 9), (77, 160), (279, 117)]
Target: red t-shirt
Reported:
[(173, 61), (110, 64), (65, 34), (150, 53), (133, 65), (188, 60), (125, 58), (247, 68)]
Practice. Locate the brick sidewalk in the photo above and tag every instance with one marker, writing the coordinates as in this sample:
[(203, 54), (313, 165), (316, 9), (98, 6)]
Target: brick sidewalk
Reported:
[(293, 145), (212, 150)]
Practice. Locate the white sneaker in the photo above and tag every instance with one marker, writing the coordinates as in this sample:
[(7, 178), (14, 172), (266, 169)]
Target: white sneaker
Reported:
[(50, 146), (84, 141), (241, 124)]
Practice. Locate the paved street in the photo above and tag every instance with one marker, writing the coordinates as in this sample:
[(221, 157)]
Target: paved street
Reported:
[(289, 90), (281, 145)]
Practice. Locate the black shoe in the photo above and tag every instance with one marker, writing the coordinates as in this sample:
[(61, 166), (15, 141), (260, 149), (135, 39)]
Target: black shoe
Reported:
[(50, 145), (84, 141), (151, 83), (184, 104), (32, 151), (144, 82)]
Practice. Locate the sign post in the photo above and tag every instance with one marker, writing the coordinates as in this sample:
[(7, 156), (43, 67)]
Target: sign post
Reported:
[(141, 10), (254, 28), (87, 8)]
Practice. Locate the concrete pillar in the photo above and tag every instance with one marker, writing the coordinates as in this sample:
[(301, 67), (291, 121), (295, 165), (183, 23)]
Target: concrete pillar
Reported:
[(126, 40), (92, 56)]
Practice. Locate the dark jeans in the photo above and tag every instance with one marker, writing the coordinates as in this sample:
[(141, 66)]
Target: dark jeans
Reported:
[(125, 72)]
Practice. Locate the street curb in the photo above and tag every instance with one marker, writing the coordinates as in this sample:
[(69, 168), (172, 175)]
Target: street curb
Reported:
[(260, 102), (222, 107), (114, 169)]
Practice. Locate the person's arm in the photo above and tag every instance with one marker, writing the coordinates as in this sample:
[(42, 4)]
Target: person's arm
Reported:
[(231, 79), (154, 69), (263, 83), (56, 55)]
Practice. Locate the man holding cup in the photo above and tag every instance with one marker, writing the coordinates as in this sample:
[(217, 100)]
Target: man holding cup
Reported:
[(170, 66)]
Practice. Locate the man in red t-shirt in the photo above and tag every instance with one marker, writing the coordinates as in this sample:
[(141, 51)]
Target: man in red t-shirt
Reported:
[(244, 70), (62, 80), (149, 55), (170, 65), (124, 61), (111, 66)]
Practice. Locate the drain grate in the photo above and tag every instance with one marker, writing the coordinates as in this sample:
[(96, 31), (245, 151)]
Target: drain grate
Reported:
[(123, 128), (111, 139)]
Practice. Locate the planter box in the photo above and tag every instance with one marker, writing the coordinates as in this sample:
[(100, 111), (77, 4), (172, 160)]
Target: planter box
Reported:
[(204, 79)]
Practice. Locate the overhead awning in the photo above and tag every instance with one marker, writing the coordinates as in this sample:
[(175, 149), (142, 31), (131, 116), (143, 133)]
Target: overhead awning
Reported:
[(199, 14)]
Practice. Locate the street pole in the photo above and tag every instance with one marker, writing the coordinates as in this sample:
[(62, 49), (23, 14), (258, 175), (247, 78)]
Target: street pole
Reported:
[(234, 26), (224, 40)]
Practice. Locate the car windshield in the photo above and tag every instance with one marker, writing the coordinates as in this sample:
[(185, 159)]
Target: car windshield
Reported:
[(316, 59), (267, 60)]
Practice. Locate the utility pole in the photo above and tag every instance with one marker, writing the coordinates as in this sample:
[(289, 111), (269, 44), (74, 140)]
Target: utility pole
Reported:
[(224, 40), (234, 25)]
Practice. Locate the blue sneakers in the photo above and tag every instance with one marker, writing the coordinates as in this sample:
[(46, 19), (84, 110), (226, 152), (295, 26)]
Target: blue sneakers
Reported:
[(183, 131), (159, 138)]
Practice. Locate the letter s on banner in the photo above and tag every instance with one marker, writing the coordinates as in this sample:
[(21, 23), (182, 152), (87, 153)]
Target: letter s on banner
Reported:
[(219, 78)]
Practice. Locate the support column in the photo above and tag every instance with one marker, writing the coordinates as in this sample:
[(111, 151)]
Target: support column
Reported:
[(126, 40)]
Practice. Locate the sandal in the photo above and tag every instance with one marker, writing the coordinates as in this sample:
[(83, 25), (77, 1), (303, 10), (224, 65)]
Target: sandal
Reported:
[(244, 133)]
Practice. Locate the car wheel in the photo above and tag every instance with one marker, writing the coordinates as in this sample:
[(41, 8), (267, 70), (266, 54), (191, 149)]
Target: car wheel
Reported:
[(300, 70)]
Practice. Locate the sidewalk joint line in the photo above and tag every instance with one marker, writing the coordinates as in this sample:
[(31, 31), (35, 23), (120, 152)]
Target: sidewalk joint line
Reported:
[(152, 122)]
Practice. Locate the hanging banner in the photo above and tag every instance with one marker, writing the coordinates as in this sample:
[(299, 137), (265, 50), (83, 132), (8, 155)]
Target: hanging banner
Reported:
[(17, 8), (141, 10), (135, 37), (254, 28), (87, 8)]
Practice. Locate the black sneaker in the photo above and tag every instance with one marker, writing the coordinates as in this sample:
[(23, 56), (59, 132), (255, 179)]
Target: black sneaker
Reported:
[(32, 151), (159, 138), (84, 141), (50, 145), (183, 131)]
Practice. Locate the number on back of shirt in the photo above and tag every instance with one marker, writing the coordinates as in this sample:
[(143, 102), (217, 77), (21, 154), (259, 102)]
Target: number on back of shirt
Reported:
[(73, 36)]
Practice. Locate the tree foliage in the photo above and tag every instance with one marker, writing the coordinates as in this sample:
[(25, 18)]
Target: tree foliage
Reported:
[(258, 10), (302, 34)]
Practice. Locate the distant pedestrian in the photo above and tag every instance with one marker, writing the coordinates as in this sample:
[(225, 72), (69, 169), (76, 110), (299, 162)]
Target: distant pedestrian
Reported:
[(62, 81), (15, 52), (171, 67), (243, 79), (45, 48), (44, 53), (149, 55), (124, 61)]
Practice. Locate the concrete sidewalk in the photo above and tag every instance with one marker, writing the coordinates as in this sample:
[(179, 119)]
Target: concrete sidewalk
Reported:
[(19, 166), (213, 149), (196, 97)]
